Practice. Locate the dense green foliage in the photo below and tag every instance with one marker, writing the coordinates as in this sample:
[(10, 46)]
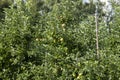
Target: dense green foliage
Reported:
[(55, 40), (4, 4)]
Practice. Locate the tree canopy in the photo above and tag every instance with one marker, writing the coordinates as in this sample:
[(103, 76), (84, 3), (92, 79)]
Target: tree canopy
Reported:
[(56, 40)]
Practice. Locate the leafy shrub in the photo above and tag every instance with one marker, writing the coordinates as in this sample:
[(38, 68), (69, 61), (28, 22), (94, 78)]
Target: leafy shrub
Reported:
[(56, 43)]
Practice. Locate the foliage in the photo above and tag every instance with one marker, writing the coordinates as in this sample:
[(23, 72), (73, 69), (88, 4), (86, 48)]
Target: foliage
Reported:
[(56, 41)]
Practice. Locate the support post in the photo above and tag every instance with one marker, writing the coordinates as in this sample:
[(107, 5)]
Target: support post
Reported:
[(96, 25)]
